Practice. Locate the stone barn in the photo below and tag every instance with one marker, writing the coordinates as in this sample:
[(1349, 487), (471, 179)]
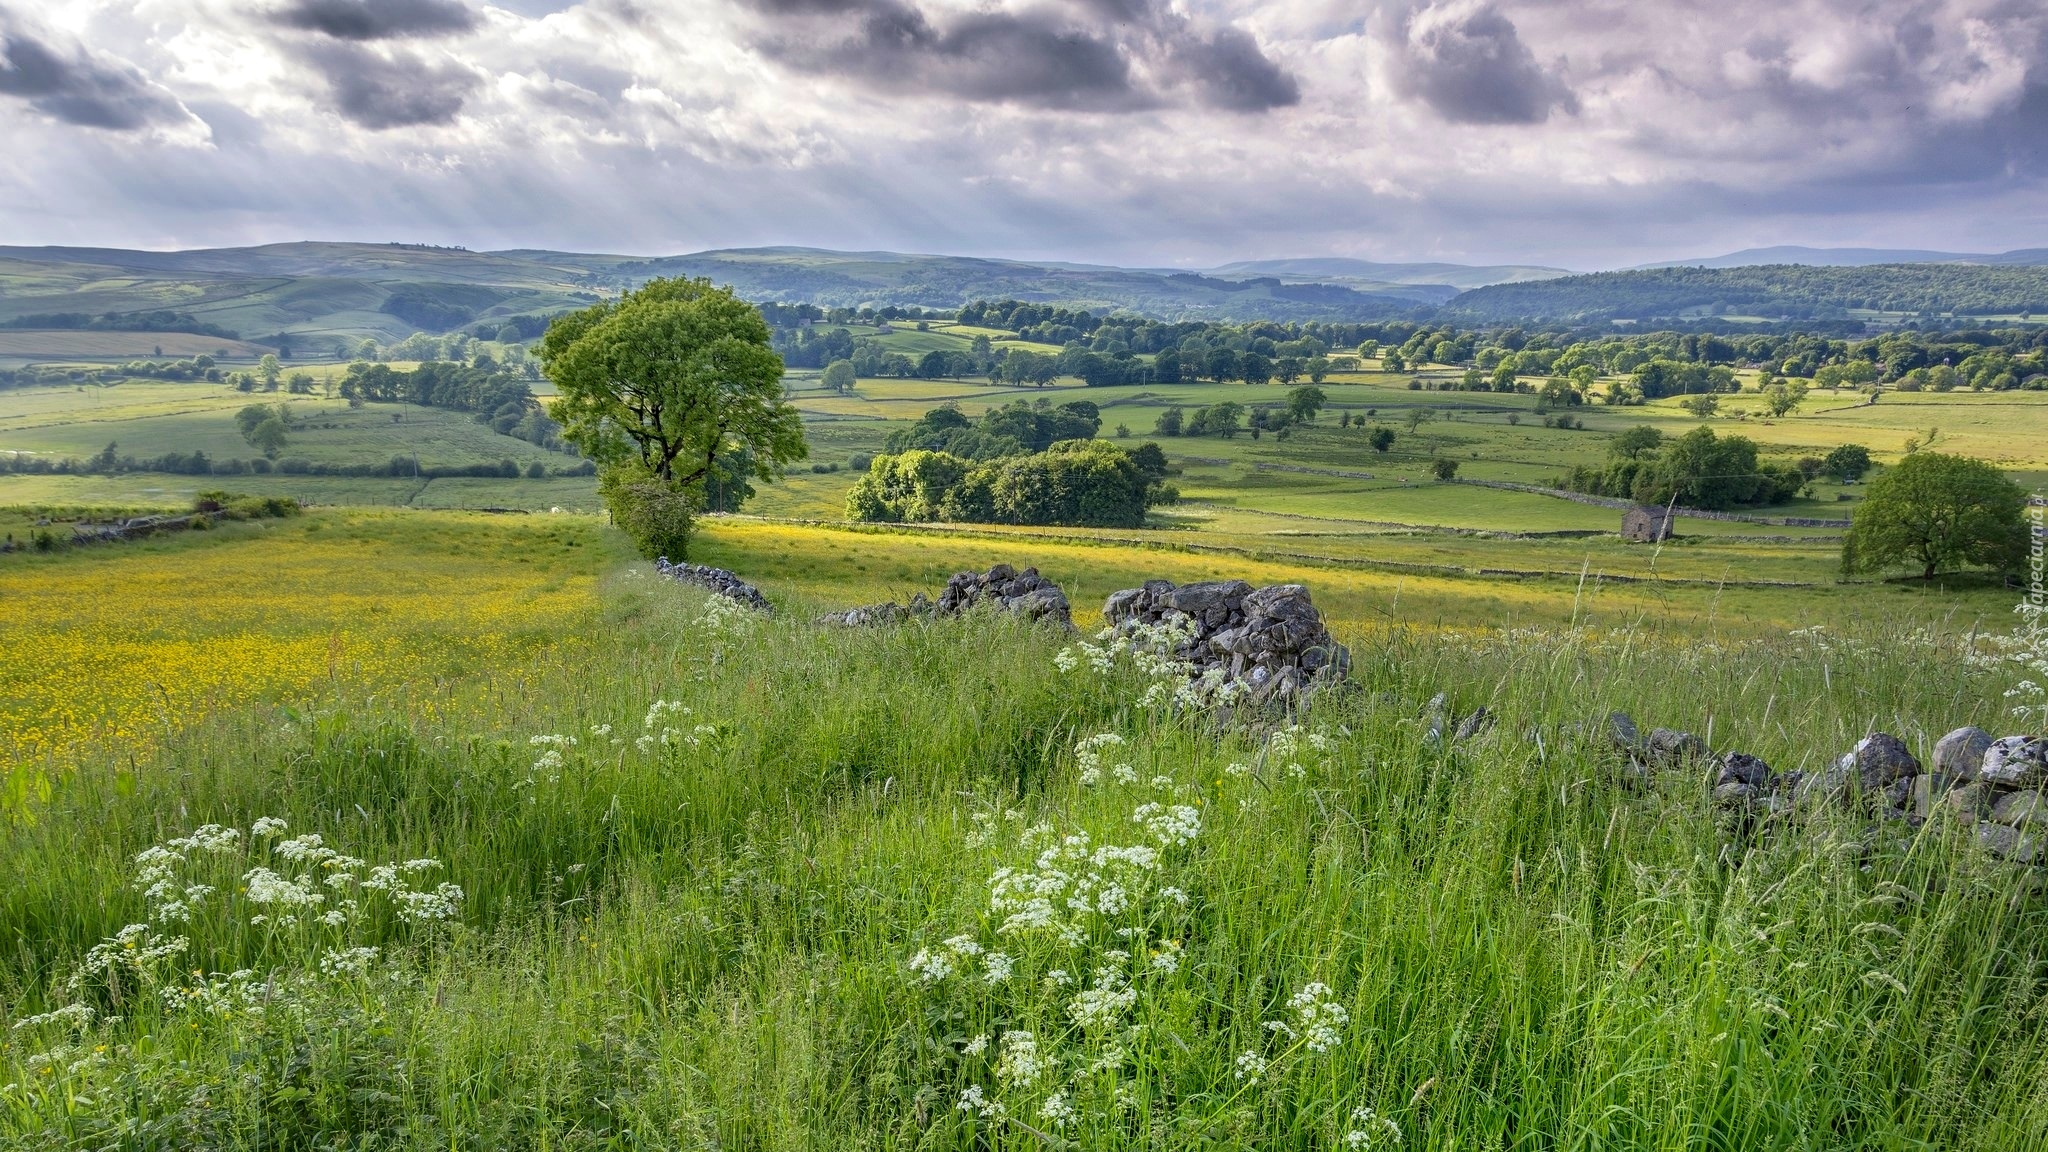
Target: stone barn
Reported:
[(1646, 524)]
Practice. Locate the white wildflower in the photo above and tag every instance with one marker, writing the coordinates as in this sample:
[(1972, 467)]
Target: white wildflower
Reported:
[(266, 887), (348, 962), (77, 1017), (1021, 1064), (998, 966), (1318, 1018), (1371, 1130), (306, 849), (1104, 1003), (1250, 1065), (443, 903), (1057, 1113), (267, 826), (1169, 824), (974, 1100), (976, 1046)]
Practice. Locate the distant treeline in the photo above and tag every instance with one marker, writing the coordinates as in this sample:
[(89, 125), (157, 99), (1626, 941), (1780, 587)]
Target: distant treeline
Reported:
[(157, 321), (1777, 291), (498, 399), (196, 368), (1012, 430), (109, 461)]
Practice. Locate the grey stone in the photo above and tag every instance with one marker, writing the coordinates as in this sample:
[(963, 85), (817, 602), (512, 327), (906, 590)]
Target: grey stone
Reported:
[(2016, 762), (2021, 809), (1622, 732), (1742, 768), (2010, 843), (1958, 755), (1670, 746), (1734, 794), (1880, 759), (1120, 604), (1474, 724), (1203, 598), (1971, 802), (1898, 795)]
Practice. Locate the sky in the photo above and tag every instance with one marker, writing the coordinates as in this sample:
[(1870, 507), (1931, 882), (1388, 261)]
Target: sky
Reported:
[(1152, 132)]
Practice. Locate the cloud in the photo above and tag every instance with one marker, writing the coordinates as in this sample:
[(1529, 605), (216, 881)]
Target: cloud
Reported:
[(392, 89), (1033, 58), (1588, 133), (1467, 61), (1230, 72), (376, 19), (77, 86), (1094, 55)]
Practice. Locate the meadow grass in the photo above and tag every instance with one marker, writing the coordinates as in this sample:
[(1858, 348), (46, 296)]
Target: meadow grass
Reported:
[(118, 646), (843, 565), (729, 882)]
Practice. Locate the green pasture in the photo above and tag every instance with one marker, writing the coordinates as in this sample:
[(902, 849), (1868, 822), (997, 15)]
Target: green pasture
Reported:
[(151, 418), (156, 490)]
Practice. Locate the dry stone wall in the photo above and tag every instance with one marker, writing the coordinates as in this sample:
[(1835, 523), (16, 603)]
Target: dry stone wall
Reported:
[(1271, 641)]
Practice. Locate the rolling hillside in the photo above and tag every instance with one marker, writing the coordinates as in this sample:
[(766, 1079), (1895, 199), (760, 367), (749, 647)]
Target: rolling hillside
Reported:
[(1771, 292), (320, 300)]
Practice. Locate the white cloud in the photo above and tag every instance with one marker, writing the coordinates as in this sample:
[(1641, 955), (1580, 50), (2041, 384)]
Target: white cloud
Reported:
[(1585, 133)]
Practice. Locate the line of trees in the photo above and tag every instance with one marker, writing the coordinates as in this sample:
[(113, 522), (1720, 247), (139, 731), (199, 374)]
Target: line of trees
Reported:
[(1014, 429), (497, 398), (1696, 470), (1073, 483)]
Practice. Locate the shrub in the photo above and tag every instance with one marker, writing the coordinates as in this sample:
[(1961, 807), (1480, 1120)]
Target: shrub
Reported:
[(656, 516), (1846, 463), (1443, 468)]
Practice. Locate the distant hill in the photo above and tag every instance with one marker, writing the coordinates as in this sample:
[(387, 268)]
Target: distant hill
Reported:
[(1341, 270), (317, 297), (854, 279), (1775, 292), (1855, 257), (312, 296)]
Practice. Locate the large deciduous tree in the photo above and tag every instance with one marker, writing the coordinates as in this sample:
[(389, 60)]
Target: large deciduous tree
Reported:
[(1939, 511), (665, 387)]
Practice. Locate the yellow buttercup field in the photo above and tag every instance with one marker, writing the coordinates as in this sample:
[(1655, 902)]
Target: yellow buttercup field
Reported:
[(123, 644)]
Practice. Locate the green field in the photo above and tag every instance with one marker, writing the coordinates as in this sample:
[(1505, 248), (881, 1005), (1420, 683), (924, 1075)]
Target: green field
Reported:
[(148, 418)]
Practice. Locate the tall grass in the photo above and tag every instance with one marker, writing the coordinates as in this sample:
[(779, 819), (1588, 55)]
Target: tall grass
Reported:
[(715, 940)]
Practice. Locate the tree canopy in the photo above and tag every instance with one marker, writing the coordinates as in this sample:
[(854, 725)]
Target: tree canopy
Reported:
[(1940, 511), (670, 378)]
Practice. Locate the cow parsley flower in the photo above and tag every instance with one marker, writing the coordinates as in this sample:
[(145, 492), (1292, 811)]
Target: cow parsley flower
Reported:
[(1104, 1003), (1318, 1018), (1057, 1113), (1371, 1130), (1021, 1063)]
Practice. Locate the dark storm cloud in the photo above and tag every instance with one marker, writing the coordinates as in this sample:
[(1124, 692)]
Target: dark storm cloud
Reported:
[(81, 88), (394, 90), (1033, 58), (1468, 62), (376, 19), (1076, 58), (1230, 72)]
